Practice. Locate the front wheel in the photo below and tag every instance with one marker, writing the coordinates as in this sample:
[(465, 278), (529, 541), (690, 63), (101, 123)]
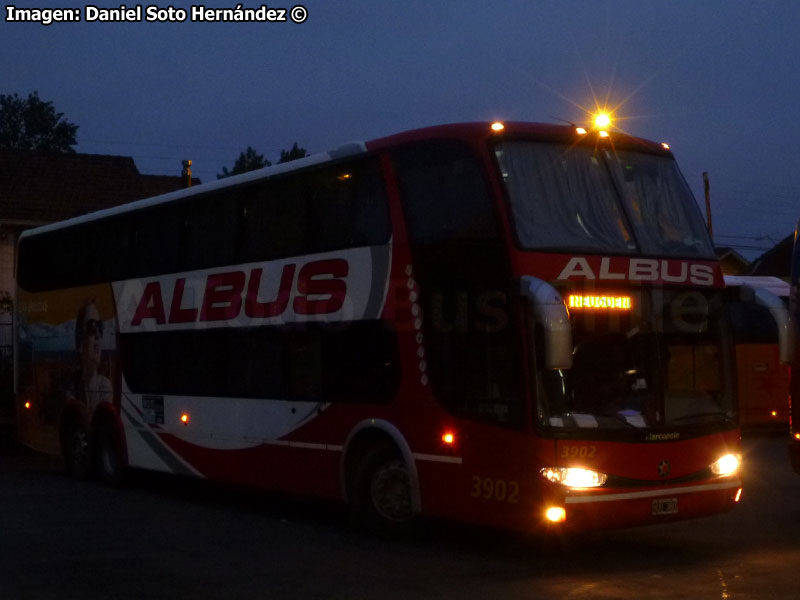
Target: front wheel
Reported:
[(77, 452), (382, 495)]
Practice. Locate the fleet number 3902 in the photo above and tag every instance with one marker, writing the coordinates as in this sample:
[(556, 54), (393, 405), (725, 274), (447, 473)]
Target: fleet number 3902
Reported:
[(570, 451), (499, 490)]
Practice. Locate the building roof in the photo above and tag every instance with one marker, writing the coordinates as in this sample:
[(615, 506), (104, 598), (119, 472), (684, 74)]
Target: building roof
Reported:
[(777, 260), (41, 187), (731, 261)]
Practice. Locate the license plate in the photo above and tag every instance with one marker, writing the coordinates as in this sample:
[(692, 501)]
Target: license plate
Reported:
[(665, 506)]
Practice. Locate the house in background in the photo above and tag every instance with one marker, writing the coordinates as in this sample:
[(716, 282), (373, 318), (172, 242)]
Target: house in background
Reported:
[(38, 188), (731, 262), (777, 261)]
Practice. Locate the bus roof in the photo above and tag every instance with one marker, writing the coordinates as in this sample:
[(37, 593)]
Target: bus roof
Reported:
[(464, 131), (266, 172), (546, 132)]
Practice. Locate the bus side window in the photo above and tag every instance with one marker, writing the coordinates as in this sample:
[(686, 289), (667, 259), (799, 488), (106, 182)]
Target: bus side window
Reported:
[(111, 250), (461, 266), (316, 210), (347, 207), (444, 194), (35, 269), (210, 231), (70, 255), (157, 233), (272, 217), (330, 363)]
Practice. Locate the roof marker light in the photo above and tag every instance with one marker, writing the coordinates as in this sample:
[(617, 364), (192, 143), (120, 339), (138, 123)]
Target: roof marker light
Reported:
[(665, 145), (497, 126), (580, 131), (602, 120), (602, 134)]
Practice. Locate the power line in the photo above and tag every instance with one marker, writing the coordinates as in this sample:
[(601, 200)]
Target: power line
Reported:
[(154, 145)]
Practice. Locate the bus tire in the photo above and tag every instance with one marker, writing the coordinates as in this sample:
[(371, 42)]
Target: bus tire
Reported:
[(381, 500), (109, 463), (77, 451)]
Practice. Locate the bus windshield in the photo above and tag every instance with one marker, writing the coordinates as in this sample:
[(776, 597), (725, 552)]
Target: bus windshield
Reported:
[(665, 365), (583, 199)]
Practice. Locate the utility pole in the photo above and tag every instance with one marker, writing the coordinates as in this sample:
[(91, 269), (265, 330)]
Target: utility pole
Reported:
[(707, 189)]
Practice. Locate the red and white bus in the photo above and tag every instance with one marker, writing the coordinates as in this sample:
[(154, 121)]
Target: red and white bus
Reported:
[(512, 326)]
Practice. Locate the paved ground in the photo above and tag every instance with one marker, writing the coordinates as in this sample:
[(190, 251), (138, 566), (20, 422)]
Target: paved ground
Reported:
[(167, 538)]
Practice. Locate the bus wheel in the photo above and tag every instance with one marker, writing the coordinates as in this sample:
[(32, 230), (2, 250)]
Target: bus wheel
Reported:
[(77, 453), (108, 458), (382, 493)]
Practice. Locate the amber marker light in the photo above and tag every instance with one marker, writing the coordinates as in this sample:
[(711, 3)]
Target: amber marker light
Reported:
[(665, 145), (602, 121), (449, 438), (774, 413), (738, 495), (27, 405), (556, 514), (797, 436), (185, 418), (580, 131), (497, 127)]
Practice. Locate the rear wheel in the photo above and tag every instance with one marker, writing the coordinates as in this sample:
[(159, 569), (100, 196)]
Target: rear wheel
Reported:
[(382, 496), (77, 452), (108, 455)]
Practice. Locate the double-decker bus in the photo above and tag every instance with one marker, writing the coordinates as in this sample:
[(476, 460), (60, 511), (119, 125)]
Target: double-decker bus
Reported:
[(794, 381), (763, 377), (519, 326)]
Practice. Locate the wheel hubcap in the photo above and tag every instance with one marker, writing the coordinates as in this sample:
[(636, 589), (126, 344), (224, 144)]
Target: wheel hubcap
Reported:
[(391, 491)]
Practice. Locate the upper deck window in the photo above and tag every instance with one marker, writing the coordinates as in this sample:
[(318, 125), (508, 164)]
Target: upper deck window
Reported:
[(580, 199)]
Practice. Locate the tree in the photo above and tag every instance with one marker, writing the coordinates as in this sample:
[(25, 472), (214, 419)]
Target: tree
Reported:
[(249, 160), (293, 154), (33, 124)]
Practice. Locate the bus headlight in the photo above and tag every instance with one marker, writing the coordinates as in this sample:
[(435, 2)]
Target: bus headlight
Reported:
[(727, 465), (574, 477)]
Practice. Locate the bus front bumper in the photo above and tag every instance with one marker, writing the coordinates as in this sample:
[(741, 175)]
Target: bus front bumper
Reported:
[(620, 508)]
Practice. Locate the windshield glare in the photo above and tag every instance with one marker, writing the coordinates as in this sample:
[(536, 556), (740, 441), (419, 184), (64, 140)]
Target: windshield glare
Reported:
[(583, 199)]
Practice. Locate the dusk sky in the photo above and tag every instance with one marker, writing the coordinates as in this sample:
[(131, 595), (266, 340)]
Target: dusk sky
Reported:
[(718, 80)]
